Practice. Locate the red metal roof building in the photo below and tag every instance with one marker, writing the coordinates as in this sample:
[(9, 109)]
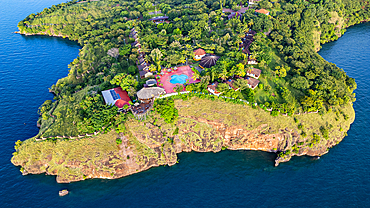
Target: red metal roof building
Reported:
[(116, 97)]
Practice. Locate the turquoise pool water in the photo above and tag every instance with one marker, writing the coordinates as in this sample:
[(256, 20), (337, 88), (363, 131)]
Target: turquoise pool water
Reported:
[(178, 79)]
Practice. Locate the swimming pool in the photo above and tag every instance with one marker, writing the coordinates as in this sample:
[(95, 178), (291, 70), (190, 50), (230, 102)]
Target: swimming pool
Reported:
[(178, 79)]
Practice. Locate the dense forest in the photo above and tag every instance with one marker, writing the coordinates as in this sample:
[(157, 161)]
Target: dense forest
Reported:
[(294, 77)]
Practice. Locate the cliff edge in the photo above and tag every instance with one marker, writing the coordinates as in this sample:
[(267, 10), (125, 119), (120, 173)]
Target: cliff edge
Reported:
[(203, 126)]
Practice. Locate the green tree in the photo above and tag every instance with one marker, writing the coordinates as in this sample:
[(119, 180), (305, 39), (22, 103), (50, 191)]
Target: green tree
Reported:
[(242, 84), (132, 69), (224, 74), (166, 108), (126, 81), (222, 87), (179, 88), (300, 82), (280, 71), (240, 70), (124, 50), (156, 56)]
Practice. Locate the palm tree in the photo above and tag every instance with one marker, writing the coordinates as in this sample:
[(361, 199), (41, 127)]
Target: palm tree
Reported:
[(147, 59), (240, 70), (224, 74), (241, 84), (253, 55), (250, 23), (156, 56), (213, 71), (245, 28), (196, 75), (152, 68), (233, 71), (182, 60), (204, 81)]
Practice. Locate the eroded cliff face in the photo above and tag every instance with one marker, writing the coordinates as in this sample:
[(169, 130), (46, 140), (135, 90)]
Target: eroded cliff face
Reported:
[(153, 142)]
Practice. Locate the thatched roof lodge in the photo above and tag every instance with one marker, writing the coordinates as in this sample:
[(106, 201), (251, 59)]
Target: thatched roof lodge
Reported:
[(198, 54), (208, 61), (252, 83), (230, 82), (255, 73), (150, 93), (212, 88)]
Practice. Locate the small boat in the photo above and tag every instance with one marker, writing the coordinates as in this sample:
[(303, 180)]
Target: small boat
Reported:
[(63, 192)]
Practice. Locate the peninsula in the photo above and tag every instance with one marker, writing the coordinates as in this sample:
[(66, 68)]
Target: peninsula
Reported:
[(156, 78)]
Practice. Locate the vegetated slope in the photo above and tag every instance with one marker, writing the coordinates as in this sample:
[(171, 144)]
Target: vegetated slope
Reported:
[(203, 126)]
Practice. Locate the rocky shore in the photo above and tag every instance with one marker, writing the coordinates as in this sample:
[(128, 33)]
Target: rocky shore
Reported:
[(204, 127), (41, 33)]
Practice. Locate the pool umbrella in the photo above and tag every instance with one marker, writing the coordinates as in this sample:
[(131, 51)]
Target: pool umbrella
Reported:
[(208, 61)]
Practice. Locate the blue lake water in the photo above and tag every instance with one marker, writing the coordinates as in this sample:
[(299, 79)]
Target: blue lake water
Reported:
[(178, 79), (29, 65)]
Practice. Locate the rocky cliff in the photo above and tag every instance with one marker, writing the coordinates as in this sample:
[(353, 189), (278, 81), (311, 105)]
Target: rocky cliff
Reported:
[(202, 126)]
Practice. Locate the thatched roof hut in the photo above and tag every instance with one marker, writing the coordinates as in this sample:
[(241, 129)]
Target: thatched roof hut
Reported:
[(208, 61), (149, 93)]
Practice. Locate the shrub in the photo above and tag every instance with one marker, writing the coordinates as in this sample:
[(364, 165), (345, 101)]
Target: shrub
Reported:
[(176, 131), (300, 126), (316, 139), (118, 141), (324, 132), (17, 144), (275, 113), (170, 140), (166, 108)]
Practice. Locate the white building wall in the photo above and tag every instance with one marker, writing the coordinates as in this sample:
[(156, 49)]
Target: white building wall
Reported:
[(108, 97)]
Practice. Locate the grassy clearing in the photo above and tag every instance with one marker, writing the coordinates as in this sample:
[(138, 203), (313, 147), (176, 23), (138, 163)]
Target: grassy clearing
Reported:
[(249, 118), (316, 39), (61, 155), (337, 21), (231, 114), (67, 117), (142, 151)]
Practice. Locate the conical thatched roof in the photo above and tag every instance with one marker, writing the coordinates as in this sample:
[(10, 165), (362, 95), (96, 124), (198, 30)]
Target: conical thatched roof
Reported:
[(150, 92), (199, 52), (208, 61)]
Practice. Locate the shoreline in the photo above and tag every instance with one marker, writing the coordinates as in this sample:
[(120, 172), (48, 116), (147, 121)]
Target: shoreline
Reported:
[(43, 34), (169, 159)]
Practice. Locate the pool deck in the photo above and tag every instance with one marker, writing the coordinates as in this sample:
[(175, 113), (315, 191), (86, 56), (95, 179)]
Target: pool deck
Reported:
[(165, 79)]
